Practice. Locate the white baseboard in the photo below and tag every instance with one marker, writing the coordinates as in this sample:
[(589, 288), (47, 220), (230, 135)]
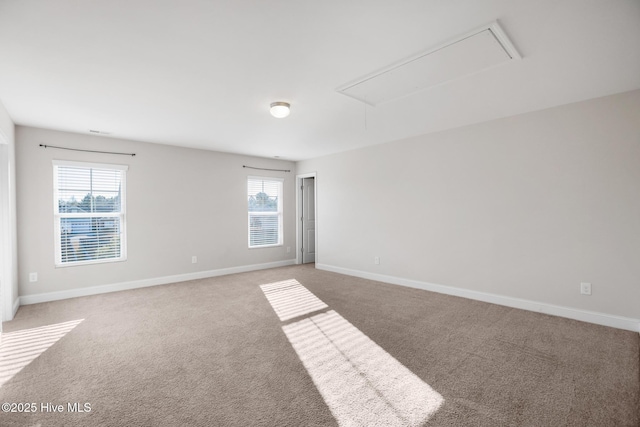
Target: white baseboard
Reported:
[(16, 306), (555, 310), (123, 286)]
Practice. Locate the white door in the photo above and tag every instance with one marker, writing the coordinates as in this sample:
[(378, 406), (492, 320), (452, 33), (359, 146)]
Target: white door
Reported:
[(308, 221)]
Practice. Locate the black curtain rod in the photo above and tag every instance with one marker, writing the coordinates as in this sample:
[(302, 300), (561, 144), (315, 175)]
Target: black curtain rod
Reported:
[(87, 151), (266, 169)]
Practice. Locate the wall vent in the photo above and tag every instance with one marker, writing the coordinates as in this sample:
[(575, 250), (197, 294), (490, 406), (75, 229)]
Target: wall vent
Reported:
[(478, 50)]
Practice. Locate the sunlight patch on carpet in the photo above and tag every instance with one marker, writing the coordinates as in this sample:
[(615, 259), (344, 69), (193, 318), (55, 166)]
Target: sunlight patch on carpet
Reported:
[(360, 382), (290, 299), (20, 348)]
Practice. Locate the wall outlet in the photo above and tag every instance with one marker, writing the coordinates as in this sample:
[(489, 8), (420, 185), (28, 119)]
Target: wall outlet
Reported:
[(585, 288), (376, 260), (33, 277), (288, 249), (194, 259)]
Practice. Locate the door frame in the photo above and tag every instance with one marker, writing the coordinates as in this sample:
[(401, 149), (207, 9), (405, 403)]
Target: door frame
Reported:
[(299, 179), (6, 245)]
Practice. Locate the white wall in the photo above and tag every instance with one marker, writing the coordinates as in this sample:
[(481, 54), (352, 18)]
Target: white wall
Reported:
[(180, 202), (526, 207), (8, 252)]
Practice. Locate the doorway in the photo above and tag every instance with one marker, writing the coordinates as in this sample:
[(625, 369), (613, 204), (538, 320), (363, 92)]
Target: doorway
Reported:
[(307, 224)]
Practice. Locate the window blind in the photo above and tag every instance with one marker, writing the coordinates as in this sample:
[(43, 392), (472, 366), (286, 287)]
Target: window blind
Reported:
[(265, 211), (89, 210)]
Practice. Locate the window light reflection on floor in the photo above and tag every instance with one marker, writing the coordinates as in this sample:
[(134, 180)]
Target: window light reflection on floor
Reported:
[(360, 382), (290, 299), (20, 348)]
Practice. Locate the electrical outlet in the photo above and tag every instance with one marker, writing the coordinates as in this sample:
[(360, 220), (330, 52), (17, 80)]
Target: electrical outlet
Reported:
[(194, 259), (288, 249), (376, 260), (33, 277), (585, 288)]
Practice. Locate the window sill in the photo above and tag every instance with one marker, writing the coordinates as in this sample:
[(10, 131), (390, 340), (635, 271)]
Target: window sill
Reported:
[(266, 246), (91, 262)]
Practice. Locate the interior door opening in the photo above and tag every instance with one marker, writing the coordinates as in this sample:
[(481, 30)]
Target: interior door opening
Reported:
[(308, 220)]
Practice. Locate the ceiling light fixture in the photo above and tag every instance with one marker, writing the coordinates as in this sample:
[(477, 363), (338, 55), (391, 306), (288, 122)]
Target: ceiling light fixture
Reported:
[(280, 109)]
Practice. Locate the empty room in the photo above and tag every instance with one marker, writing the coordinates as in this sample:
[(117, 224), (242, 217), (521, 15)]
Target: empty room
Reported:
[(295, 213)]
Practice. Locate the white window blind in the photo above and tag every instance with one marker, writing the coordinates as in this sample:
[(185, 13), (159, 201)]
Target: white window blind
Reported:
[(89, 212), (265, 211)]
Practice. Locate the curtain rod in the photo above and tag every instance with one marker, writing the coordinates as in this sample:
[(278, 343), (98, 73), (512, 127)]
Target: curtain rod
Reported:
[(266, 169), (87, 151)]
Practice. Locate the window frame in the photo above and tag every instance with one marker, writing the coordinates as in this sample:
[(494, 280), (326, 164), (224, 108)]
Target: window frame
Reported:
[(57, 216), (279, 213)]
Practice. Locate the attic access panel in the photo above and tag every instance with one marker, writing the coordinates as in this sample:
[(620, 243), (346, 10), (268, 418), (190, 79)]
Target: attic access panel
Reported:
[(476, 51)]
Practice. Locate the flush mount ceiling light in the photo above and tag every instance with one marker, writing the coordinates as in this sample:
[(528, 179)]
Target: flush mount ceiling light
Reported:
[(280, 109)]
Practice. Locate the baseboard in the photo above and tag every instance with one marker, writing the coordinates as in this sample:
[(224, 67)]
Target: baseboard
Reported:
[(16, 306), (555, 310), (136, 284)]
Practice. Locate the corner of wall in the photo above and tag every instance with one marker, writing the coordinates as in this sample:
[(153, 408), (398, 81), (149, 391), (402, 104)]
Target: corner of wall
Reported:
[(8, 217)]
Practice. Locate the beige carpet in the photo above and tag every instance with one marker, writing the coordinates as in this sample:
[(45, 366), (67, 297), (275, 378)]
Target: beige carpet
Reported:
[(214, 352)]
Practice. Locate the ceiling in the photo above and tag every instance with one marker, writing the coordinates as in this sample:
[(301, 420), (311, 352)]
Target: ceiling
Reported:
[(202, 73)]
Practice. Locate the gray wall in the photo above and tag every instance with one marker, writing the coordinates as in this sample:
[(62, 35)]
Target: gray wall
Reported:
[(526, 207), (180, 202)]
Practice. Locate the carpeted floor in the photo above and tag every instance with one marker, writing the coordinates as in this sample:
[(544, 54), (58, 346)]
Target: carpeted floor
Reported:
[(213, 352)]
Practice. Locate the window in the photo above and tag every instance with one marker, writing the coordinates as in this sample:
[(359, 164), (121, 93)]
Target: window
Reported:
[(89, 212), (265, 211)]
